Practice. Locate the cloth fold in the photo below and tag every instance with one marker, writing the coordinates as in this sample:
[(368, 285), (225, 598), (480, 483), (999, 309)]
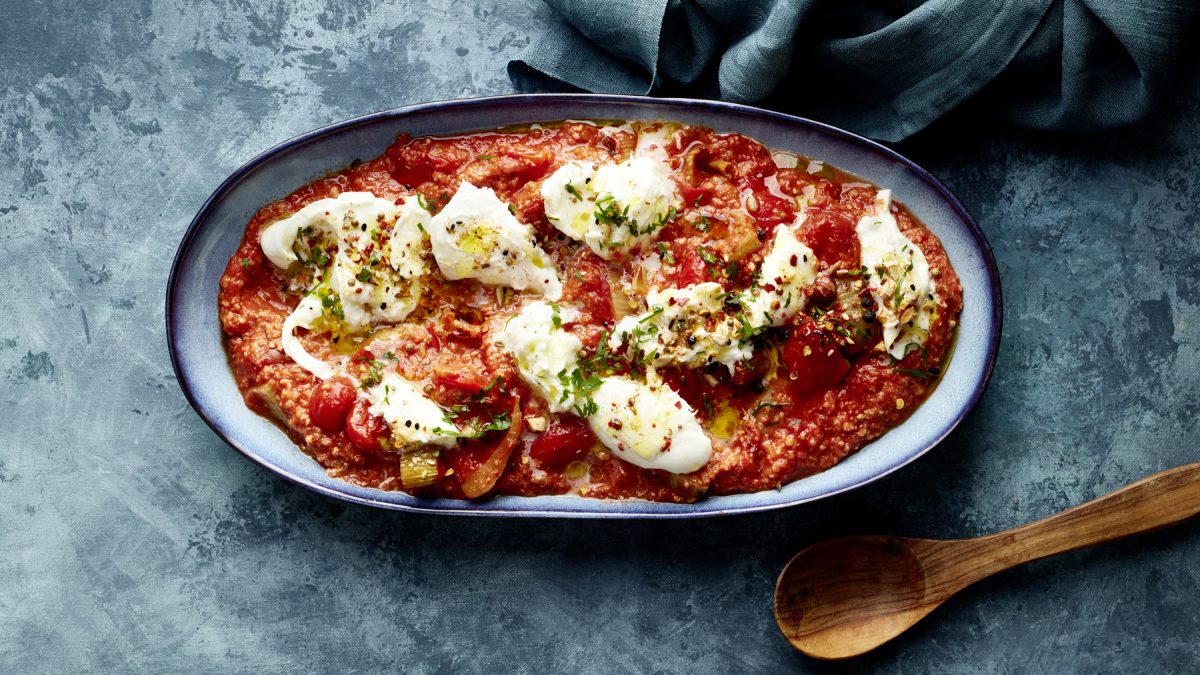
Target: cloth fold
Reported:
[(883, 69)]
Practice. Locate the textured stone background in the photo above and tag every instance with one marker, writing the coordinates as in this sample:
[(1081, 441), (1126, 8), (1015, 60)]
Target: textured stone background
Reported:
[(133, 539)]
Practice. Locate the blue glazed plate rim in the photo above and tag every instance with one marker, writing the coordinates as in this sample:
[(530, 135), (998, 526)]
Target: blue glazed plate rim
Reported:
[(579, 507)]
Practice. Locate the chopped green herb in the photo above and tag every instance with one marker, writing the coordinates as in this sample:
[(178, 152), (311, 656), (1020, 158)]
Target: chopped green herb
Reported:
[(665, 254), (609, 213), (746, 331), (457, 410), (496, 382), (731, 269), (707, 256), (555, 316), (498, 422), (920, 374), (485, 157), (424, 204), (571, 190), (373, 377), (318, 257), (331, 302), (245, 263), (579, 386), (364, 275), (766, 405), (655, 312), (664, 219), (924, 372)]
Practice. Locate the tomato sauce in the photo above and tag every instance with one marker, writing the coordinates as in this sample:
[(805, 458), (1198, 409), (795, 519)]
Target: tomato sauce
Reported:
[(805, 401)]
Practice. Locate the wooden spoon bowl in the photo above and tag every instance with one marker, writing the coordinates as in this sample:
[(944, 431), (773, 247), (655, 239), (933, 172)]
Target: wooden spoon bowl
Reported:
[(843, 597)]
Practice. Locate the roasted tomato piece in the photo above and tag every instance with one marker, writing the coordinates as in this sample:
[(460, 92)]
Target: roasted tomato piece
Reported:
[(768, 209), (688, 383), (694, 197), (363, 428), (832, 237), (746, 372), (566, 440), (480, 463), (812, 357), (466, 381), (587, 285), (689, 269), (329, 403)]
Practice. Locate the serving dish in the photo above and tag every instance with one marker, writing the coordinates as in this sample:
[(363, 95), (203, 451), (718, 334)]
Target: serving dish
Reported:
[(194, 332)]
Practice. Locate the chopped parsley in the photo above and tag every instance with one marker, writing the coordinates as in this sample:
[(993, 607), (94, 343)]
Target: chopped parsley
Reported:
[(317, 256), (457, 410), (573, 191), (245, 263), (665, 254), (746, 331), (555, 316), (900, 286), (364, 275), (496, 382), (331, 303), (600, 362), (663, 220), (655, 312), (498, 422), (580, 386), (374, 375), (924, 372), (608, 212), (731, 269), (765, 405)]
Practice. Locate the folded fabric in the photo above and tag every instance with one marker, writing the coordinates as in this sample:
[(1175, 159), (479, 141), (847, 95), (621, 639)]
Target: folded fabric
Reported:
[(883, 69)]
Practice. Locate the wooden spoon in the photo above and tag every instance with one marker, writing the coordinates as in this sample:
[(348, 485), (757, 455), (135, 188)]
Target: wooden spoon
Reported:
[(843, 597)]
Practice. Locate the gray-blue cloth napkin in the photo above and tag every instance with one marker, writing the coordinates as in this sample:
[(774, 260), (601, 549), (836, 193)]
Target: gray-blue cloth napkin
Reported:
[(885, 69)]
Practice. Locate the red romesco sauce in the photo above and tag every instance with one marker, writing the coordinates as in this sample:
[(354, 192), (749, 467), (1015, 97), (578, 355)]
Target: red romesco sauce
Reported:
[(776, 419)]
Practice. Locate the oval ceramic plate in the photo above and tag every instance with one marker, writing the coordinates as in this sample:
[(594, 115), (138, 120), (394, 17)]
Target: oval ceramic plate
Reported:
[(194, 332)]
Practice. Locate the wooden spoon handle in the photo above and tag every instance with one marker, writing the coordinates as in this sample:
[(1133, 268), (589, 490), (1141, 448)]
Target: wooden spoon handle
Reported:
[(1151, 503)]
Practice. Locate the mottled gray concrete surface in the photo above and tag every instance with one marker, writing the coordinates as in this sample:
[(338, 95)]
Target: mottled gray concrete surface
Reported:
[(133, 539)]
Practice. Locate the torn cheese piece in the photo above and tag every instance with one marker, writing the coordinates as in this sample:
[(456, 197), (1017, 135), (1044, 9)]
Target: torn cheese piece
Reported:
[(414, 419), (476, 236), (545, 354), (365, 260), (687, 326), (616, 209), (899, 278), (649, 425)]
